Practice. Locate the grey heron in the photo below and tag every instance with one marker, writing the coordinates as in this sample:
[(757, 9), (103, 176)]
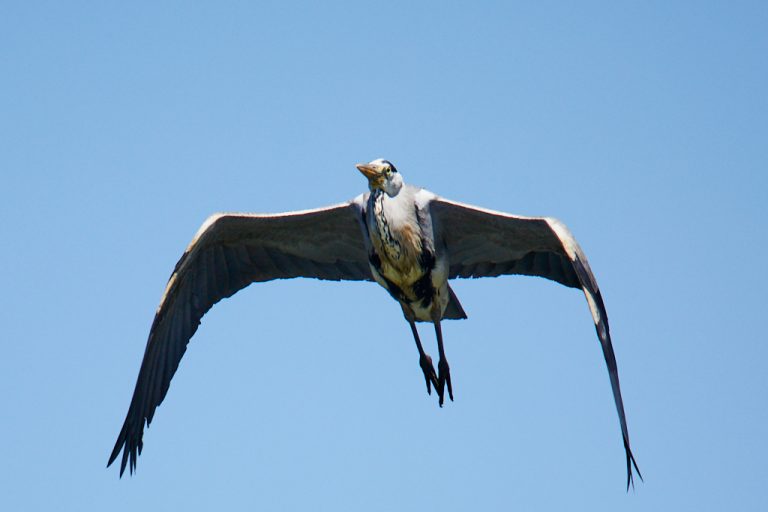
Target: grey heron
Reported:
[(407, 239)]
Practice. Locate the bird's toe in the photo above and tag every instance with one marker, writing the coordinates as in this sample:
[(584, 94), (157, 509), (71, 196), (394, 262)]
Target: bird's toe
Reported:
[(430, 376), (444, 380)]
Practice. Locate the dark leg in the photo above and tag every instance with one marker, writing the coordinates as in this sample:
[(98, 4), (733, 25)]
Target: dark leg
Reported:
[(443, 368), (424, 360)]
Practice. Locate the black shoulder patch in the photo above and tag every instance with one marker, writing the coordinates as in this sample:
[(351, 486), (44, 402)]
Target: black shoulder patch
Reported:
[(426, 258)]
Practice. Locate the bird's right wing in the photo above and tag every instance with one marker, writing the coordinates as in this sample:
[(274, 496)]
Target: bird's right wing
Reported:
[(486, 243), (229, 252)]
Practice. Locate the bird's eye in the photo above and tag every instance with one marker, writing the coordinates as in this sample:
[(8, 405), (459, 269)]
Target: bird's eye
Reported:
[(390, 168)]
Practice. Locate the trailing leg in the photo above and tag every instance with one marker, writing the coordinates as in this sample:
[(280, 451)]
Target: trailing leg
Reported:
[(442, 366), (425, 362)]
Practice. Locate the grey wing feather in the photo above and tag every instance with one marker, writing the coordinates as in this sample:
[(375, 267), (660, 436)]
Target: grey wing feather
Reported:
[(229, 252), (485, 243)]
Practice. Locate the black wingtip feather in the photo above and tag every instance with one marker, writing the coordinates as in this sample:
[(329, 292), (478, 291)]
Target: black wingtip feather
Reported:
[(130, 444), (631, 463)]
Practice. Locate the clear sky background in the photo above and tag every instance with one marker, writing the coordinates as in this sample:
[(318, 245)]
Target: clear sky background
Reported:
[(642, 125)]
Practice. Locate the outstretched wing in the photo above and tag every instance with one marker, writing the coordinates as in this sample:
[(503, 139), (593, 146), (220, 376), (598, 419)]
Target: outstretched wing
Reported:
[(229, 252), (485, 243)]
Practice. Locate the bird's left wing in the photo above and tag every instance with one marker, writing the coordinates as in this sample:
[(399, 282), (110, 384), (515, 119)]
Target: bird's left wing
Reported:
[(486, 243), (229, 252)]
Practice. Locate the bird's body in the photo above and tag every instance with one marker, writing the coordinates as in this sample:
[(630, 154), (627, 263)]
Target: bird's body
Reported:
[(402, 257), (408, 240), (396, 237)]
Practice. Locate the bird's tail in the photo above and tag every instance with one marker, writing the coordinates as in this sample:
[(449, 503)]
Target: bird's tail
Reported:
[(453, 311)]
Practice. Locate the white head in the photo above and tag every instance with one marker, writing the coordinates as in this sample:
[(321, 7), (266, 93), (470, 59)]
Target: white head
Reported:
[(382, 174)]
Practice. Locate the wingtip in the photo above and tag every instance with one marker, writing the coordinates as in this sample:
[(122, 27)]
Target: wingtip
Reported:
[(630, 477), (631, 462), (120, 445)]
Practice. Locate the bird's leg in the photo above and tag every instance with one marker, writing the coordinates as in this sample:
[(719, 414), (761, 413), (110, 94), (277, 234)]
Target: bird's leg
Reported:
[(424, 360), (442, 366)]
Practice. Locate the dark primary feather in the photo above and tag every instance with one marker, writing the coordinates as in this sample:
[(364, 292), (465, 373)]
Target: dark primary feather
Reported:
[(228, 253), (484, 243)]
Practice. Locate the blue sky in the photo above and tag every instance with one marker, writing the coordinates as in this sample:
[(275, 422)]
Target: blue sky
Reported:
[(642, 125)]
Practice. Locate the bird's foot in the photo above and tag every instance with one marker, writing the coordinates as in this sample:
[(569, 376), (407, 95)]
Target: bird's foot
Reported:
[(443, 379), (429, 372)]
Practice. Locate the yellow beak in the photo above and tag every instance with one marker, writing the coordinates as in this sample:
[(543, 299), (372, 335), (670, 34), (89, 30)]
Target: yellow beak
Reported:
[(372, 172)]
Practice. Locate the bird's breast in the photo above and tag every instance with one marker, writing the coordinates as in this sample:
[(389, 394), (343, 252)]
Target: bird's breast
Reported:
[(397, 241)]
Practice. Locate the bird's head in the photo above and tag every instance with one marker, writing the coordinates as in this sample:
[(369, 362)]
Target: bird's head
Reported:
[(382, 174)]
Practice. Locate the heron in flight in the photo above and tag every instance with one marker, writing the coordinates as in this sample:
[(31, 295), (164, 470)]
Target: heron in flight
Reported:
[(408, 240)]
